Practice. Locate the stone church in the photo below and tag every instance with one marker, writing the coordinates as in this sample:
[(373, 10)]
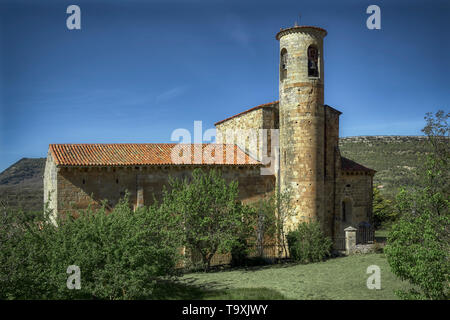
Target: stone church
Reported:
[(301, 140)]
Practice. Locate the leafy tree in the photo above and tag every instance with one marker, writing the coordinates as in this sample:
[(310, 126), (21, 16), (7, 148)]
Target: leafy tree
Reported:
[(284, 212), (273, 214), (247, 238), (265, 223), (435, 174), (419, 244), (213, 219), (382, 209)]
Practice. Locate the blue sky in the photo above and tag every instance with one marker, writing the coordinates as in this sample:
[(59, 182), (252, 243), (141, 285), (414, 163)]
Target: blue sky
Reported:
[(137, 70)]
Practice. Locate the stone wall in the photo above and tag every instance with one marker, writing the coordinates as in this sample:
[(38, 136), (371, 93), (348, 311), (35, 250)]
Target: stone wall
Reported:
[(79, 187), (355, 187), (245, 129), (271, 120), (332, 168)]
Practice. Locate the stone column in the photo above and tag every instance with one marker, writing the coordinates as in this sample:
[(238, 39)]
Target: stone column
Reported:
[(350, 240)]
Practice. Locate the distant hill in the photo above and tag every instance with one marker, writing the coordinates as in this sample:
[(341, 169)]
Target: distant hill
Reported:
[(394, 157), (21, 185)]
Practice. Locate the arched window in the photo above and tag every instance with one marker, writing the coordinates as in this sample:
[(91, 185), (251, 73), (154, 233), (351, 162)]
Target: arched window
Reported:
[(283, 64), (313, 61)]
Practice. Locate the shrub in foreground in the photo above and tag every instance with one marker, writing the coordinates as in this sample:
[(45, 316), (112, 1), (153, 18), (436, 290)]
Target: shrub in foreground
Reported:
[(120, 255), (308, 243), (418, 246)]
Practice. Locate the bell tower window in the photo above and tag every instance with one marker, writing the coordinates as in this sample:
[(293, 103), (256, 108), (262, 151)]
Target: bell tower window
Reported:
[(283, 65), (313, 62)]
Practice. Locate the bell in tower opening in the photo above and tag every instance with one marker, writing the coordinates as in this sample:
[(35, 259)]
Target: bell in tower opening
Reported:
[(313, 66), (283, 65)]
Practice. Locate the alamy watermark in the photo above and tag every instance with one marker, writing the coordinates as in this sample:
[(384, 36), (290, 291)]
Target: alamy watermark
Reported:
[(74, 20), (74, 280), (374, 280), (374, 20)]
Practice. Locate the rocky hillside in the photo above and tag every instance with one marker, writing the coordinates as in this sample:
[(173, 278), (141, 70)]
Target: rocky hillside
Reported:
[(394, 158), (21, 185)]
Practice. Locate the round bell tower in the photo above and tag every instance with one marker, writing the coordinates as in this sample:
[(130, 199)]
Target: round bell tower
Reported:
[(302, 122)]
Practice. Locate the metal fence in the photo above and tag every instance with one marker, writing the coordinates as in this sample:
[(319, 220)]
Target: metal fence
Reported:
[(365, 234), (271, 251), (268, 252), (274, 252), (339, 243)]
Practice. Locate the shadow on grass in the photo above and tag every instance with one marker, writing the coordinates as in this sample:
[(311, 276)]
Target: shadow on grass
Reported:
[(175, 290), (245, 294), (279, 264), (250, 266)]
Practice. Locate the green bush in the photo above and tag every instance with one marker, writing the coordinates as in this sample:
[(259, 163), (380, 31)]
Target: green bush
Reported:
[(120, 254), (383, 213), (240, 256), (418, 245), (239, 253), (308, 243)]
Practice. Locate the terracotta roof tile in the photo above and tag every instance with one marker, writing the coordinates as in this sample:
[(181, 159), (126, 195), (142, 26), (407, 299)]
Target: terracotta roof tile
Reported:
[(135, 154), (350, 165)]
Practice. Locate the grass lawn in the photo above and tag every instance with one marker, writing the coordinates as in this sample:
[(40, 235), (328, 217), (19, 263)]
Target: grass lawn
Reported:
[(339, 278), (383, 233)]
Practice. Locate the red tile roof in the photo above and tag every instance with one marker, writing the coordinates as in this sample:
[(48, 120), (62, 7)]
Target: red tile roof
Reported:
[(136, 154), (265, 105), (350, 165)]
